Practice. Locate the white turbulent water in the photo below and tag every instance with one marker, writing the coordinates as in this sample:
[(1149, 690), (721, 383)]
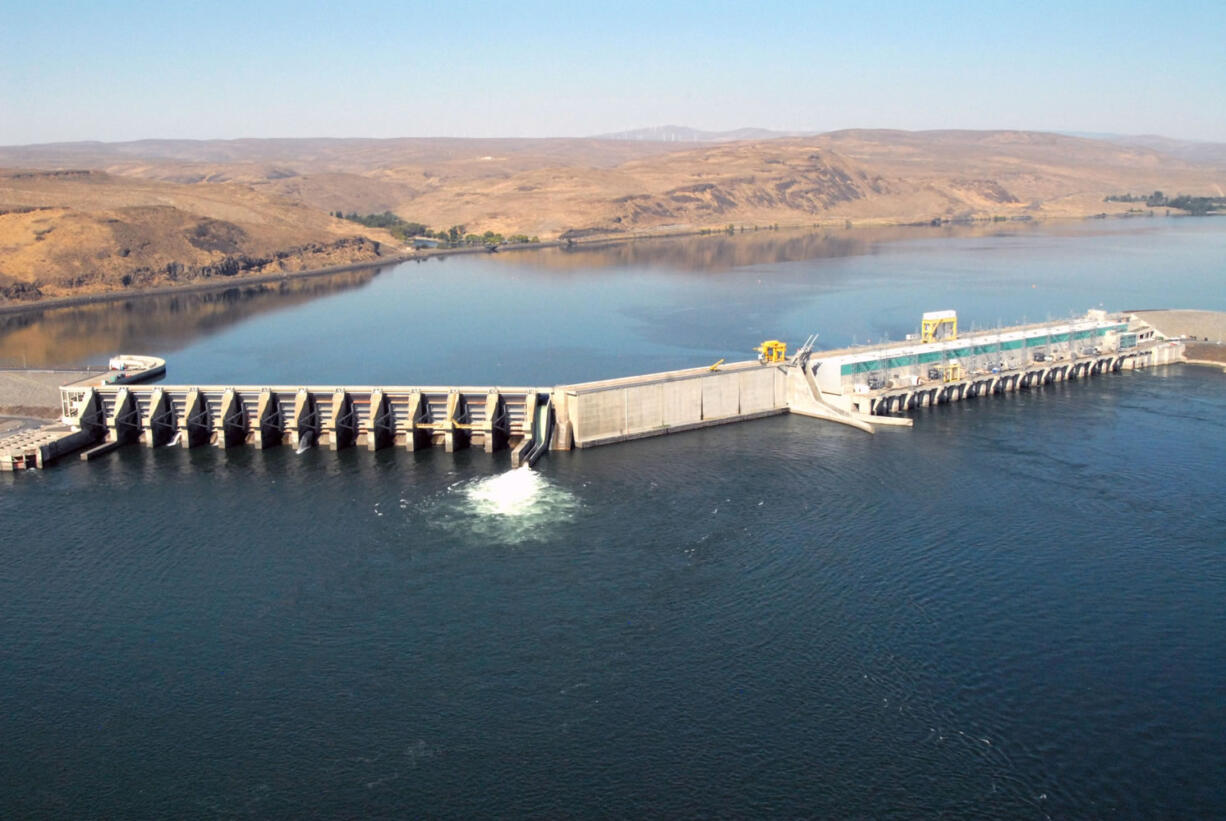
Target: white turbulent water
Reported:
[(518, 506), (515, 493)]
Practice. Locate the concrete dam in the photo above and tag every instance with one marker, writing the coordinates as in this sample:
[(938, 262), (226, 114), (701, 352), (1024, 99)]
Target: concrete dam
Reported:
[(864, 387)]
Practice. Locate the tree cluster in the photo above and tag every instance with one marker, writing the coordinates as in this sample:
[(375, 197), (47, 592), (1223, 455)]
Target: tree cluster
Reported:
[(1184, 202), (453, 237)]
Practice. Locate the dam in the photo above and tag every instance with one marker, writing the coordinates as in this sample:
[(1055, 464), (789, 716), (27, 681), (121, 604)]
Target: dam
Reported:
[(866, 387)]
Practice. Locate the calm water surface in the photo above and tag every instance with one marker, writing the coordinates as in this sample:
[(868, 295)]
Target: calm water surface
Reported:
[(1012, 610)]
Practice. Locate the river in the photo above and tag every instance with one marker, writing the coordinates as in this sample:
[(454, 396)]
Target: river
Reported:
[(1013, 609)]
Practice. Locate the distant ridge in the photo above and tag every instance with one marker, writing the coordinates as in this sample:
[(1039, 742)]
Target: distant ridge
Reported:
[(1194, 151), (685, 134), (1188, 150)]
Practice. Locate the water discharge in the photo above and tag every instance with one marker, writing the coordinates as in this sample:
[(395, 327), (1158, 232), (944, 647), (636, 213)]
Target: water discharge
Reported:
[(514, 493), (518, 506)]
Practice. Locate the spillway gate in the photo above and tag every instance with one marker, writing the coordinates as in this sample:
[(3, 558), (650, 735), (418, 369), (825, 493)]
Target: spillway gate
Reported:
[(332, 417)]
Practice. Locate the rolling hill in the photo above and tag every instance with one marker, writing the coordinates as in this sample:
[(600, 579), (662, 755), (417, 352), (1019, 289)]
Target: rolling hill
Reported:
[(97, 216), (71, 232)]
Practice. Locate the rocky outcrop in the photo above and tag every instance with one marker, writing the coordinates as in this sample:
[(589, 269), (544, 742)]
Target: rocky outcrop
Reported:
[(344, 251), (300, 258), (20, 291)]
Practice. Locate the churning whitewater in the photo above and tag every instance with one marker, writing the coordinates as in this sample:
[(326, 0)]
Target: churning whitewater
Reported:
[(517, 506)]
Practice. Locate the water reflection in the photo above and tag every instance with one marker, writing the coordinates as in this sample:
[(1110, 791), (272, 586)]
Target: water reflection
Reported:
[(725, 252), (556, 315), (67, 336)]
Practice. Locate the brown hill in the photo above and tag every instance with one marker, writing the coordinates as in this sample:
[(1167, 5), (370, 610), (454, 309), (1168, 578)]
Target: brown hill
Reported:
[(862, 176), (156, 211), (68, 232)]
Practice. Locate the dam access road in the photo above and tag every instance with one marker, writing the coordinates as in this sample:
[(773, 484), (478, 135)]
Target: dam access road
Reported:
[(864, 387)]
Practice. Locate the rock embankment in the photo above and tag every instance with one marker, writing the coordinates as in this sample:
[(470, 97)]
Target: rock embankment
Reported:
[(1205, 352), (315, 255), (1200, 326)]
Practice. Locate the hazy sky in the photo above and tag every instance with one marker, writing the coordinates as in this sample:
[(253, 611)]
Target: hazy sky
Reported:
[(127, 70)]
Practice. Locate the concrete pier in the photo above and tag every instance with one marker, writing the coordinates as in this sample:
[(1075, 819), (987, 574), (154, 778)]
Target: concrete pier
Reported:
[(892, 400), (39, 447)]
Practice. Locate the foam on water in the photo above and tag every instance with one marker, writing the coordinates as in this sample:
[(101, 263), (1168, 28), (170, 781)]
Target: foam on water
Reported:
[(517, 506), (514, 493)]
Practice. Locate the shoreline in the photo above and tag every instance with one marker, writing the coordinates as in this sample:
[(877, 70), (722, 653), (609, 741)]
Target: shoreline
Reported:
[(190, 287), (78, 300), (1206, 363)]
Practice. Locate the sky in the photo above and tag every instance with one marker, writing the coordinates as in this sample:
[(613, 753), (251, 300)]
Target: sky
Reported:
[(128, 69)]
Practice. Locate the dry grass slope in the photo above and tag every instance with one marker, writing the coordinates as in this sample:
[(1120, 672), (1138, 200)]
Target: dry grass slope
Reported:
[(156, 211), (82, 231)]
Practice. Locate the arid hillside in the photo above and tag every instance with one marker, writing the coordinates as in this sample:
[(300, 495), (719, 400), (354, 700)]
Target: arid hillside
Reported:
[(127, 215), (67, 232), (861, 176)]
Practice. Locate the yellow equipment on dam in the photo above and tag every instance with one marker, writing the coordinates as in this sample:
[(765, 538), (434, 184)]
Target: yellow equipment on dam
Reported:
[(772, 350), (938, 325)]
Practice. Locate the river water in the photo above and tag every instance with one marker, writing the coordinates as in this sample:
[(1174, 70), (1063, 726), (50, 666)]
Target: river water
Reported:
[(1014, 609)]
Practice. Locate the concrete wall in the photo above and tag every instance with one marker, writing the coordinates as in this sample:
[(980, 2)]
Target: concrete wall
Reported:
[(603, 413)]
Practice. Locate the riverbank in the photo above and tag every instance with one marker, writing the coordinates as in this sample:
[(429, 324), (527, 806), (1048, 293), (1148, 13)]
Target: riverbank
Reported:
[(192, 287), (1204, 330), (35, 306), (405, 255), (1206, 353), (1193, 325)]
